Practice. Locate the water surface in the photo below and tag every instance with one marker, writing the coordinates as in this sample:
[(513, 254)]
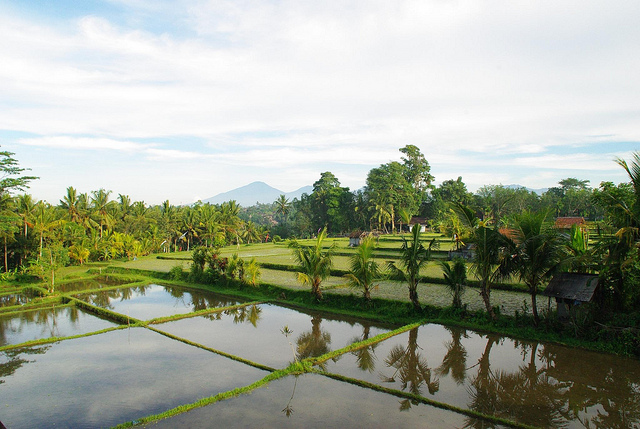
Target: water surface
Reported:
[(94, 283), (59, 321), (314, 401), (543, 385), (255, 332), (111, 378), (151, 301)]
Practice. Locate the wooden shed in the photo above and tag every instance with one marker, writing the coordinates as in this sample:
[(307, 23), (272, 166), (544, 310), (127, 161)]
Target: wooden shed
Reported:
[(571, 291)]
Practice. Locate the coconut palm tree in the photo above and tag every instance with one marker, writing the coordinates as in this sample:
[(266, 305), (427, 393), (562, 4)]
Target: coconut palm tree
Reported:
[(455, 277), (413, 258), (487, 252), (364, 271), (405, 217), (45, 220), (534, 253), (314, 262), (100, 202), (283, 205)]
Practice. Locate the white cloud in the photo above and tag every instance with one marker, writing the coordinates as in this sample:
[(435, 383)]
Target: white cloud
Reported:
[(340, 83)]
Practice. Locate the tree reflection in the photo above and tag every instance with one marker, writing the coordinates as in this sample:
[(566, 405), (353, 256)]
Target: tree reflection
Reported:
[(599, 394), (250, 313), (411, 369), (313, 343), (455, 361), (365, 356), (529, 395), (13, 360)]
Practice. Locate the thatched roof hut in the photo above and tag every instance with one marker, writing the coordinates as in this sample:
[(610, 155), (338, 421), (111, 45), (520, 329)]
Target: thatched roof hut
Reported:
[(571, 290)]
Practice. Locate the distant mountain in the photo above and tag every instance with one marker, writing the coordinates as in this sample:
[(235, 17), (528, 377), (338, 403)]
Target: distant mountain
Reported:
[(256, 192)]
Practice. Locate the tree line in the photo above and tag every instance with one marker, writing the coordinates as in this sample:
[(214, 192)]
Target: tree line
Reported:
[(38, 237), (396, 192)]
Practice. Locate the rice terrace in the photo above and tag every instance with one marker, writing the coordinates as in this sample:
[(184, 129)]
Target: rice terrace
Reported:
[(303, 214)]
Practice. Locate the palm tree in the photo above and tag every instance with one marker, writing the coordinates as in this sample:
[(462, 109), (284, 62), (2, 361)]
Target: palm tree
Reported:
[(70, 204), (405, 217), (488, 245), (283, 205), (535, 253), (364, 270), (455, 277), (45, 220), (314, 262), (100, 203), (413, 258)]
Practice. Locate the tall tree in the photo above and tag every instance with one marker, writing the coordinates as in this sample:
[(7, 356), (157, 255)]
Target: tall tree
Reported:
[(417, 169), (283, 206), (11, 178), (387, 187), (534, 253), (487, 251), (330, 203)]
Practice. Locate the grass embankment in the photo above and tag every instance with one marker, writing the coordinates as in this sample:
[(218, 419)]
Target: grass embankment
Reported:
[(397, 313), (310, 366)]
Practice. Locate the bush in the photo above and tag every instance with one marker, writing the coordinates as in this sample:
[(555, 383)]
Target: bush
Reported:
[(177, 273)]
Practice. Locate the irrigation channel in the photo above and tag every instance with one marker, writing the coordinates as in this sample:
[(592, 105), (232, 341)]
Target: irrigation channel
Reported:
[(162, 356)]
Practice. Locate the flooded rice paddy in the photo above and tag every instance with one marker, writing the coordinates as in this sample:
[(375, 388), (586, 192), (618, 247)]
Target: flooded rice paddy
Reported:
[(123, 374)]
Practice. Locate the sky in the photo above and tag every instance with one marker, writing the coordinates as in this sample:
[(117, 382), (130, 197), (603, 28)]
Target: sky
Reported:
[(185, 99)]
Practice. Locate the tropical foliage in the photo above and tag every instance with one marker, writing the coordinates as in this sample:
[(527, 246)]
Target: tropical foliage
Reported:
[(314, 261), (414, 257)]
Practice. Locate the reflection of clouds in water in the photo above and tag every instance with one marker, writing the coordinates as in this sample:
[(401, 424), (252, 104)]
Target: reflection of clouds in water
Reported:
[(48, 322), (116, 377)]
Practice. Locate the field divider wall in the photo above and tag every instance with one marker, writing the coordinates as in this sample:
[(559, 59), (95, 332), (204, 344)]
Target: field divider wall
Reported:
[(58, 339), (422, 399), (275, 375), (165, 319), (112, 315), (212, 350), (366, 343)]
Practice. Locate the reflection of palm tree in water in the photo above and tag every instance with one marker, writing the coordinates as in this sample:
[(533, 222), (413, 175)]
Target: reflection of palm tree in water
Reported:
[(411, 368), (528, 395), (288, 410), (251, 314), (455, 361), (365, 356), (313, 343)]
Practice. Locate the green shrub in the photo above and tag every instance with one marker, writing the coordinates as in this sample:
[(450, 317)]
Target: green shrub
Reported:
[(177, 273)]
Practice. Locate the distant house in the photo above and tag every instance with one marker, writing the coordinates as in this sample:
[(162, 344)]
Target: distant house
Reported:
[(571, 291), (568, 222), (356, 237), (422, 221)]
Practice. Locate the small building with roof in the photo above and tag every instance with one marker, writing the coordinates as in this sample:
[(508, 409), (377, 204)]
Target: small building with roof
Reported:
[(571, 291), (422, 221), (568, 222)]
